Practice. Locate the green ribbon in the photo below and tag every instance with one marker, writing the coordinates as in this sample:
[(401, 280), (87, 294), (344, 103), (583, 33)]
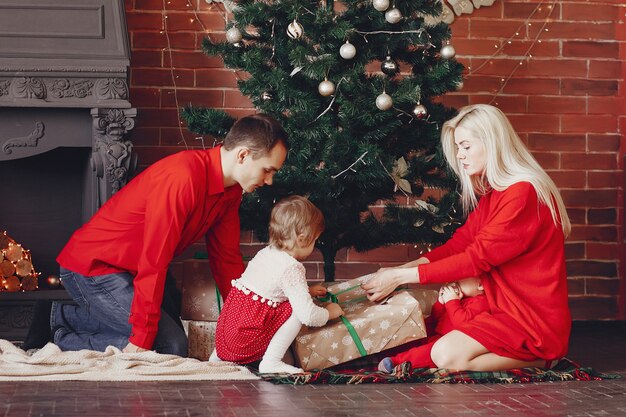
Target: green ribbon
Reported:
[(330, 297), (219, 299)]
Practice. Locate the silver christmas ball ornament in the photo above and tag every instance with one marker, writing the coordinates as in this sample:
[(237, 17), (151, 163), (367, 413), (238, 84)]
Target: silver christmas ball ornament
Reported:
[(393, 15), (266, 96), (326, 88), (295, 30), (233, 35), (447, 51), (380, 5), (347, 50), (419, 111), (384, 101), (389, 66)]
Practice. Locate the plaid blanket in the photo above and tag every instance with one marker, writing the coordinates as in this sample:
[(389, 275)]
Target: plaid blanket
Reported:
[(565, 370)]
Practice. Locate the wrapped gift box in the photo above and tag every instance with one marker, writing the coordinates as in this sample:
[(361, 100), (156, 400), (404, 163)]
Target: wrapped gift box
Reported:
[(377, 326), (201, 300), (201, 339)]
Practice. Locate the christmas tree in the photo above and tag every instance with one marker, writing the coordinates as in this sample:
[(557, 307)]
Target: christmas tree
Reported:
[(353, 84)]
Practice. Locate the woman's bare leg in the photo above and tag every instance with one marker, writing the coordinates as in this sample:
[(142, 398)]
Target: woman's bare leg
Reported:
[(458, 351)]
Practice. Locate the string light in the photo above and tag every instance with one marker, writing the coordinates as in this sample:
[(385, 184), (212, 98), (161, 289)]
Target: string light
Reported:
[(351, 167)]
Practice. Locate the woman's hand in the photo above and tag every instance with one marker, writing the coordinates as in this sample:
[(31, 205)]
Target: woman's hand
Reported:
[(130, 348), (334, 310), (317, 290), (386, 280)]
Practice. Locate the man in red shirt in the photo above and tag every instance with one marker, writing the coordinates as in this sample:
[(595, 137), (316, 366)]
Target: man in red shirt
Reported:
[(115, 266)]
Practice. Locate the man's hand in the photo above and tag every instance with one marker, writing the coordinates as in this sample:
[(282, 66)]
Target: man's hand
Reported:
[(317, 290), (130, 348)]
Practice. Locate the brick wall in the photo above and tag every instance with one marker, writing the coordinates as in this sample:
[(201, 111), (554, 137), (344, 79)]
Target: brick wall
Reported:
[(567, 103)]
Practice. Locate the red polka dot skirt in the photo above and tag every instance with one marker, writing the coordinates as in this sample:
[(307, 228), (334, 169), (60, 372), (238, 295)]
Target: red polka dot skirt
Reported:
[(246, 325)]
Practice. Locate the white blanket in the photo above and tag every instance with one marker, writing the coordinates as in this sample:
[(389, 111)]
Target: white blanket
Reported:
[(51, 364)]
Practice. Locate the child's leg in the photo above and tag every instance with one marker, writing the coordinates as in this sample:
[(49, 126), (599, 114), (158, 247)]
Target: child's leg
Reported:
[(272, 361), (418, 356)]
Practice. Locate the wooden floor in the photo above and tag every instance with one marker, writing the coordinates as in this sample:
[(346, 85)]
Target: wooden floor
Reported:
[(601, 345)]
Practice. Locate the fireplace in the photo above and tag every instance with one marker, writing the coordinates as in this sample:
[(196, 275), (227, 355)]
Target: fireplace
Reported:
[(65, 118)]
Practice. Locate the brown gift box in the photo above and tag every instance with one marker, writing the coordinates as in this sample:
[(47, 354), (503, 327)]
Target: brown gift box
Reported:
[(200, 295), (379, 326), (201, 339)]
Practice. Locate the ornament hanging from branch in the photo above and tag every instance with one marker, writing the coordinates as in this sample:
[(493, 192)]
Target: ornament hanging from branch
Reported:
[(389, 66), (384, 101), (295, 30), (380, 5), (233, 35), (326, 88), (347, 50), (393, 16)]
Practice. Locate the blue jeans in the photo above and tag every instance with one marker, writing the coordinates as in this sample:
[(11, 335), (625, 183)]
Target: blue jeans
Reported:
[(100, 316)]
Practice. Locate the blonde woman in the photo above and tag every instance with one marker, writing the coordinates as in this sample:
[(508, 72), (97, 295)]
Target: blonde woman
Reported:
[(513, 239)]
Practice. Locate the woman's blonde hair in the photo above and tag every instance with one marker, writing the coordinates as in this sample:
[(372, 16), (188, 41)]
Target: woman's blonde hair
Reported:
[(293, 216), (508, 161)]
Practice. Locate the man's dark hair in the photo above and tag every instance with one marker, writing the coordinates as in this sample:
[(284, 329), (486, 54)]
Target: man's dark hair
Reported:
[(258, 132)]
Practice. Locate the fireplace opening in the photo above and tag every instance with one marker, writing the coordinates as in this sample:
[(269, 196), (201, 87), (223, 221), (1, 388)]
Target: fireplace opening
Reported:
[(42, 202)]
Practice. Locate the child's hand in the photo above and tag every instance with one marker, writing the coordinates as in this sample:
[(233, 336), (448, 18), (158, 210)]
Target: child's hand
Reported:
[(317, 291), (449, 292), (334, 310)]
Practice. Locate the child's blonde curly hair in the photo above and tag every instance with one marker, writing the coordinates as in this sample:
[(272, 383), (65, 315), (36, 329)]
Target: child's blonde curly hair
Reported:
[(293, 216)]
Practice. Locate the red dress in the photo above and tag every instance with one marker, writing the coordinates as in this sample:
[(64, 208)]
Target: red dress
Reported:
[(443, 319), (511, 242)]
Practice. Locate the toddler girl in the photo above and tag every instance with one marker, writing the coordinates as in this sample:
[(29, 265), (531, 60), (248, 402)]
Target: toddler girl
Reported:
[(269, 303)]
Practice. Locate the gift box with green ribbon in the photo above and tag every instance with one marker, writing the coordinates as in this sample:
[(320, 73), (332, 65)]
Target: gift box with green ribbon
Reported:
[(365, 329)]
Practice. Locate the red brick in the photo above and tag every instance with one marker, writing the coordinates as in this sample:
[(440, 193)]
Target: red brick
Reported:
[(198, 97), (602, 286), (187, 22), (508, 104), (495, 10), (460, 28), (161, 77), (234, 98), (491, 28), (395, 253), (603, 250), (595, 123), (523, 10), (150, 154), (591, 268), (138, 20), (145, 136), (145, 97), (590, 49), (575, 286), (572, 30), (535, 122), (604, 179), (548, 160), (548, 104), (520, 48), (354, 269), (593, 308), (602, 216), (158, 5), (146, 59), (569, 179), (607, 105), (577, 215), (191, 59), (216, 78), (596, 161), (604, 69), (603, 143), (588, 87), (589, 198), (159, 40), (555, 141), (481, 84), (174, 136), (522, 85), (574, 250), (593, 233), (158, 117), (589, 12), (454, 100)]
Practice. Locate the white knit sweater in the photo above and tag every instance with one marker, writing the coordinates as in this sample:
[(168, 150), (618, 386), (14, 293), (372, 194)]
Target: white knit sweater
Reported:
[(275, 276)]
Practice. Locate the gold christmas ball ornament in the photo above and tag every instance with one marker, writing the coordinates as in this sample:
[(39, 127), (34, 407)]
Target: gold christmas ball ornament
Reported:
[(384, 101), (266, 96), (447, 51), (233, 35), (419, 111), (393, 16), (295, 30), (326, 88), (389, 66), (380, 5), (347, 50)]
